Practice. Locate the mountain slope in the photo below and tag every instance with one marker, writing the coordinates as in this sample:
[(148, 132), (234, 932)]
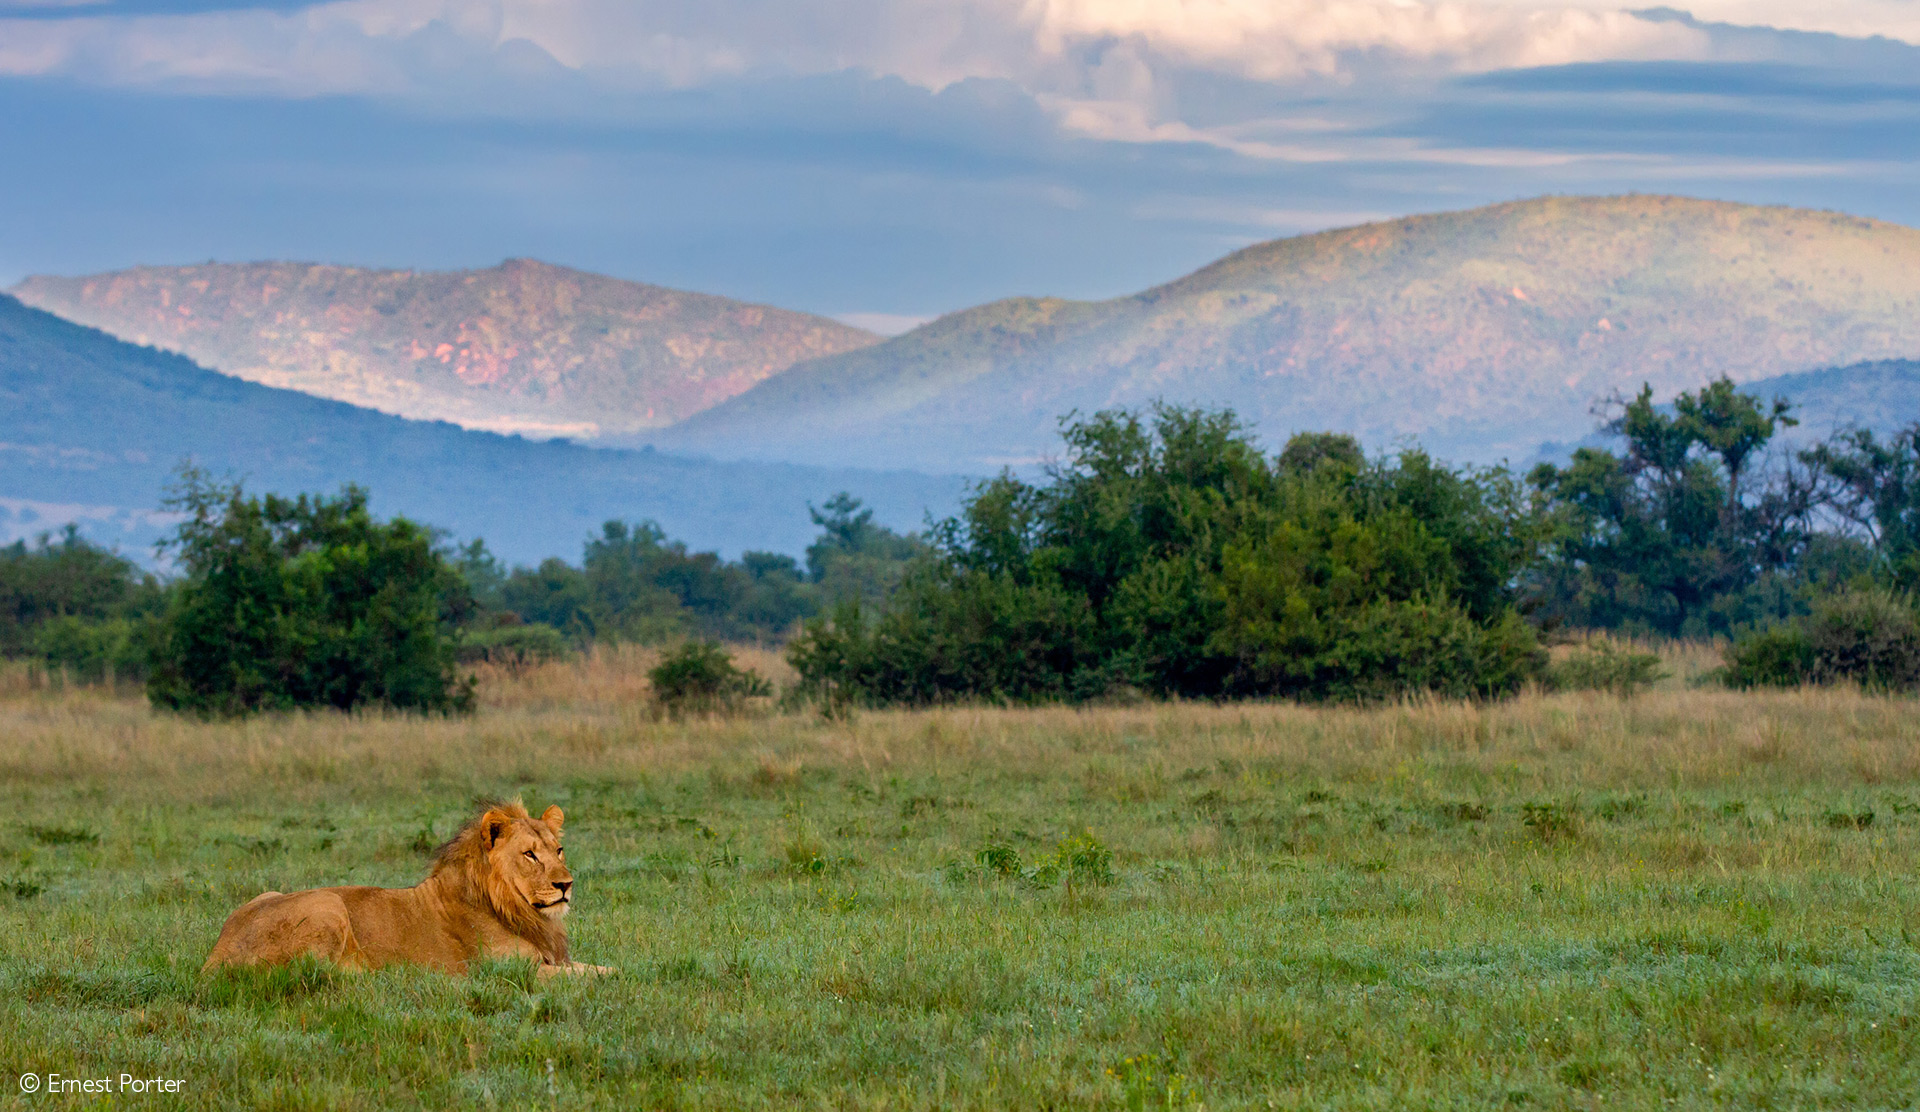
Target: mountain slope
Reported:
[(90, 429), (520, 347), (1480, 333), (1882, 396)]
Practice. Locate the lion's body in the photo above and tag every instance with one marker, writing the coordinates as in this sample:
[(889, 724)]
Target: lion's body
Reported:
[(498, 889)]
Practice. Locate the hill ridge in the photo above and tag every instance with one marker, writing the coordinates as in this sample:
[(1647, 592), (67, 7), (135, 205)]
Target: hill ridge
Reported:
[(522, 346), (91, 427), (1481, 333)]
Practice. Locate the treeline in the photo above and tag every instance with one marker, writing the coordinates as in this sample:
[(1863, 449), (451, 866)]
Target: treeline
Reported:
[(76, 606), (1167, 555), (311, 601), (635, 584)]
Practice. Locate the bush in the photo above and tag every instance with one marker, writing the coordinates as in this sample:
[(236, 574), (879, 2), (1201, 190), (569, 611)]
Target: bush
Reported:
[(700, 676), (93, 651), (305, 602), (1171, 557), (1868, 636), (514, 647), (1605, 667), (1778, 656)]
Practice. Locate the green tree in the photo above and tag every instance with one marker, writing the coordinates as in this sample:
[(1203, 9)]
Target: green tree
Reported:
[(68, 579), (1681, 533), (853, 558), (1876, 489), (305, 602), (1169, 554)]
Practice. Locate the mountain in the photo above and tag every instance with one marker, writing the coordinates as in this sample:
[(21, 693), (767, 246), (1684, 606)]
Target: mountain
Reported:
[(521, 347), (1479, 333), (1883, 396), (91, 428)]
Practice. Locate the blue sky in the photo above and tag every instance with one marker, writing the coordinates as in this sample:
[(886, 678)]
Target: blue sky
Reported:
[(905, 157)]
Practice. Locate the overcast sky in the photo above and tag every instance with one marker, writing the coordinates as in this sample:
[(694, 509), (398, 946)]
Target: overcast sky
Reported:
[(905, 157)]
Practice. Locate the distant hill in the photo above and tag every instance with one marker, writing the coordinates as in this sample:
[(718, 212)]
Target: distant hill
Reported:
[(91, 427), (1482, 334), (1883, 396), (521, 347)]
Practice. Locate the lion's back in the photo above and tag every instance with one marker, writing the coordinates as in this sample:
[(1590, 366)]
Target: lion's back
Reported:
[(276, 927)]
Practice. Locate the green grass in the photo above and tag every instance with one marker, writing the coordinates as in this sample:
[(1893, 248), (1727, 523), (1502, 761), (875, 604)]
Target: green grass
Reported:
[(1560, 902)]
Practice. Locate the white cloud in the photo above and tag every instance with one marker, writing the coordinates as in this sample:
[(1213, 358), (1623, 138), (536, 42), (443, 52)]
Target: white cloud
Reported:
[(885, 324), (1111, 49), (1106, 69)]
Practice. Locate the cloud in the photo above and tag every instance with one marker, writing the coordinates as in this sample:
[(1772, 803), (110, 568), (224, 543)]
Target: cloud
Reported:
[(885, 324), (1105, 49), (905, 156)]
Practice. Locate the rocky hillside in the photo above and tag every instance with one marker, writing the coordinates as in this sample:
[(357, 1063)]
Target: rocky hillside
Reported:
[(1482, 334), (521, 347), (91, 429)]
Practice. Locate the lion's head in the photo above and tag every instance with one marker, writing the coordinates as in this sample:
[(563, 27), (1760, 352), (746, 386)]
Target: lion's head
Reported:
[(511, 864)]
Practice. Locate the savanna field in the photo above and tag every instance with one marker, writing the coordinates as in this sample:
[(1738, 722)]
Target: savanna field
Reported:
[(1691, 898)]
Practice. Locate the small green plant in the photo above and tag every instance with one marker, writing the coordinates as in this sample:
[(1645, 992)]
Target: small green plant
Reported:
[(21, 887), (999, 859), (805, 853), (1082, 859), (1849, 820), (62, 835), (1603, 666), (1551, 822), (1147, 1083), (700, 677)]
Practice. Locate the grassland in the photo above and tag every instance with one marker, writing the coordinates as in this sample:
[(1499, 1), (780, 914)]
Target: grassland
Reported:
[(1688, 899)]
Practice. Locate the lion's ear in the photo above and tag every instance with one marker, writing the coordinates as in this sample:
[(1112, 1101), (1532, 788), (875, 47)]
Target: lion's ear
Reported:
[(553, 816), (493, 826)]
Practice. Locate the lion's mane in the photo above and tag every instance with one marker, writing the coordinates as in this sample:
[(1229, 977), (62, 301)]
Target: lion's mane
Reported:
[(465, 866)]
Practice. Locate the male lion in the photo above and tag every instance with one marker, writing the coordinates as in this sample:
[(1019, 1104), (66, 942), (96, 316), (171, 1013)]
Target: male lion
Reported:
[(498, 888)]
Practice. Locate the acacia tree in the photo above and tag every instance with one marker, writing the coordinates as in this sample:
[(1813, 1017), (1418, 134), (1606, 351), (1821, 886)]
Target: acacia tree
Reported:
[(304, 602), (1664, 534), (1875, 487)]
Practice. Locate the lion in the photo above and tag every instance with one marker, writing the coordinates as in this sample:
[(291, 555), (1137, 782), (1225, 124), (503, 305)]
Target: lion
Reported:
[(499, 888)]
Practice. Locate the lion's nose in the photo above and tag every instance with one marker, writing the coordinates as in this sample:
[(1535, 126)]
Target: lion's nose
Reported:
[(563, 885)]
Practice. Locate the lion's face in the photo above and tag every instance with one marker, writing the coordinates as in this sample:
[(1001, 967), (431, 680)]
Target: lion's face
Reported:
[(527, 854)]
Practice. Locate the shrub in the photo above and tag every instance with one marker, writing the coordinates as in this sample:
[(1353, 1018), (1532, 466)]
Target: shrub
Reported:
[(1171, 557), (700, 676), (91, 651), (514, 647), (1869, 636), (305, 602), (1778, 656), (1605, 667), (1551, 821)]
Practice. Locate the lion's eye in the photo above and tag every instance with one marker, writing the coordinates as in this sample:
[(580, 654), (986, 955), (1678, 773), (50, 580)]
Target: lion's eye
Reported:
[(532, 856)]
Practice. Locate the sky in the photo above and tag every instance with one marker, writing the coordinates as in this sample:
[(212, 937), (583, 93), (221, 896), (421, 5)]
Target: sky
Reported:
[(889, 160)]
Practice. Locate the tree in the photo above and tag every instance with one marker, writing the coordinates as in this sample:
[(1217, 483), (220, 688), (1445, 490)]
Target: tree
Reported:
[(305, 602), (1169, 554), (67, 579), (854, 558), (1876, 489), (1671, 534)]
